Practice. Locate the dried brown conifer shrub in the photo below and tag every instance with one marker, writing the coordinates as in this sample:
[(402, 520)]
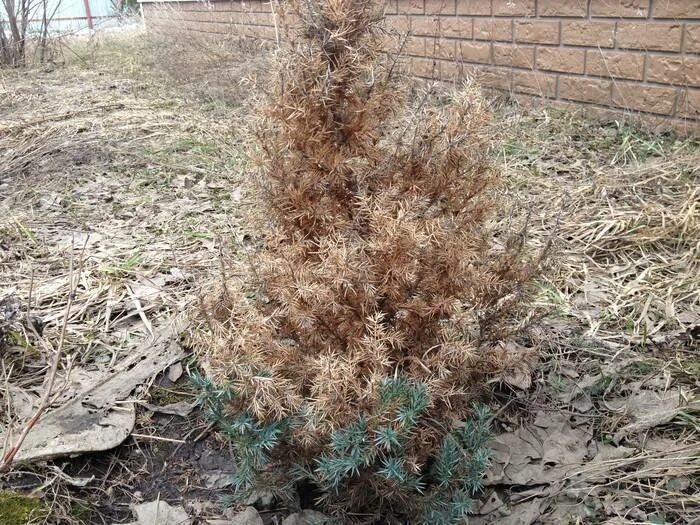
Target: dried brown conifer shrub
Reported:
[(379, 264)]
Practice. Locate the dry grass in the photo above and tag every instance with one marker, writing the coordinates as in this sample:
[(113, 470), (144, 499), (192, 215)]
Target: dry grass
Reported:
[(627, 218), (95, 177), (116, 150), (94, 157)]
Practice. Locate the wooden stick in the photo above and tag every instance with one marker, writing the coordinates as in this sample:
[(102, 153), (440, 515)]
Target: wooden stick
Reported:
[(158, 438)]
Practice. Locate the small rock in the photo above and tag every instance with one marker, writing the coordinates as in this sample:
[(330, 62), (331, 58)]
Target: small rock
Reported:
[(218, 479), (50, 200), (307, 517), (261, 499), (249, 516), (160, 513), (175, 371)]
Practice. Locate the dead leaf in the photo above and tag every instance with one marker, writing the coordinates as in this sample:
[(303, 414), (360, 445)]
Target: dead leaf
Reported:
[(97, 419), (519, 377), (160, 513), (608, 453), (175, 371), (24, 402), (181, 408), (649, 409), (519, 362), (523, 514), (218, 479), (566, 510), (493, 502), (541, 453), (177, 275), (76, 482)]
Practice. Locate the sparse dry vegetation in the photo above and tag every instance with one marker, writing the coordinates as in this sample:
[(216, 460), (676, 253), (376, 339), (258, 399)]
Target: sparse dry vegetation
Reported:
[(111, 143)]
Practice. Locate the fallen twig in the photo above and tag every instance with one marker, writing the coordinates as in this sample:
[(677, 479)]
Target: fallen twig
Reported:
[(158, 438)]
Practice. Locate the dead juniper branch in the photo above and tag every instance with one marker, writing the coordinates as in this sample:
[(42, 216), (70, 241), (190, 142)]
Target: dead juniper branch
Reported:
[(371, 319)]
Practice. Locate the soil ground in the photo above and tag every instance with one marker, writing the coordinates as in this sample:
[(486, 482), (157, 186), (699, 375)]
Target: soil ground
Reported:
[(122, 182)]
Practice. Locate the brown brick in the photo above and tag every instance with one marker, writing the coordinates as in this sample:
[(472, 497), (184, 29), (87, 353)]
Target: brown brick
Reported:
[(473, 7), (514, 56), (677, 9), (582, 89), (390, 43), (267, 32), (484, 75), (249, 31), (598, 34), (493, 29), (691, 41), (199, 16), (425, 67), (440, 7), (265, 19), (412, 7), (424, 25), (682, 70), (391, 7), (184, 6), (574, 108), (689, 104), (399, 23), (497, 78), (605, 115), (566, 60), (653, 36), (265, 6), (537, 32), (514, 7), (615, 64), (414, 46), (458, 27), (474, 52), (234, 6), (452, 71), (562, 7), (247, 6), (524, 101), (650, 99), (542, 84), (440, 48), (620, 8), (238, 6), (251, 18), (685, 127)]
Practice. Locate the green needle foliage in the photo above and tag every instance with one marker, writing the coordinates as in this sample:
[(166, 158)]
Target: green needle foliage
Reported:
[(370, 448)]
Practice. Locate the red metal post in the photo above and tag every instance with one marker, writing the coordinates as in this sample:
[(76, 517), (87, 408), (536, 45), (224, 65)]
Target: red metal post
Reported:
[(88, 14)]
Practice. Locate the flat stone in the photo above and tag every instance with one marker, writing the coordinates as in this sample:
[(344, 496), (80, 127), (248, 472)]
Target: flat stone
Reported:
[(249, 516), (307, 517)]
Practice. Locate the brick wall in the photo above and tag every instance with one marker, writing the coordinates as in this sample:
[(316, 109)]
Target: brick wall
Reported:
[(614, 58)]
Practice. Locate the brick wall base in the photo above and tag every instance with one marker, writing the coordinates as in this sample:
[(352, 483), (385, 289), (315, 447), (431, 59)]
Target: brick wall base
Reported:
[(614, 58)]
